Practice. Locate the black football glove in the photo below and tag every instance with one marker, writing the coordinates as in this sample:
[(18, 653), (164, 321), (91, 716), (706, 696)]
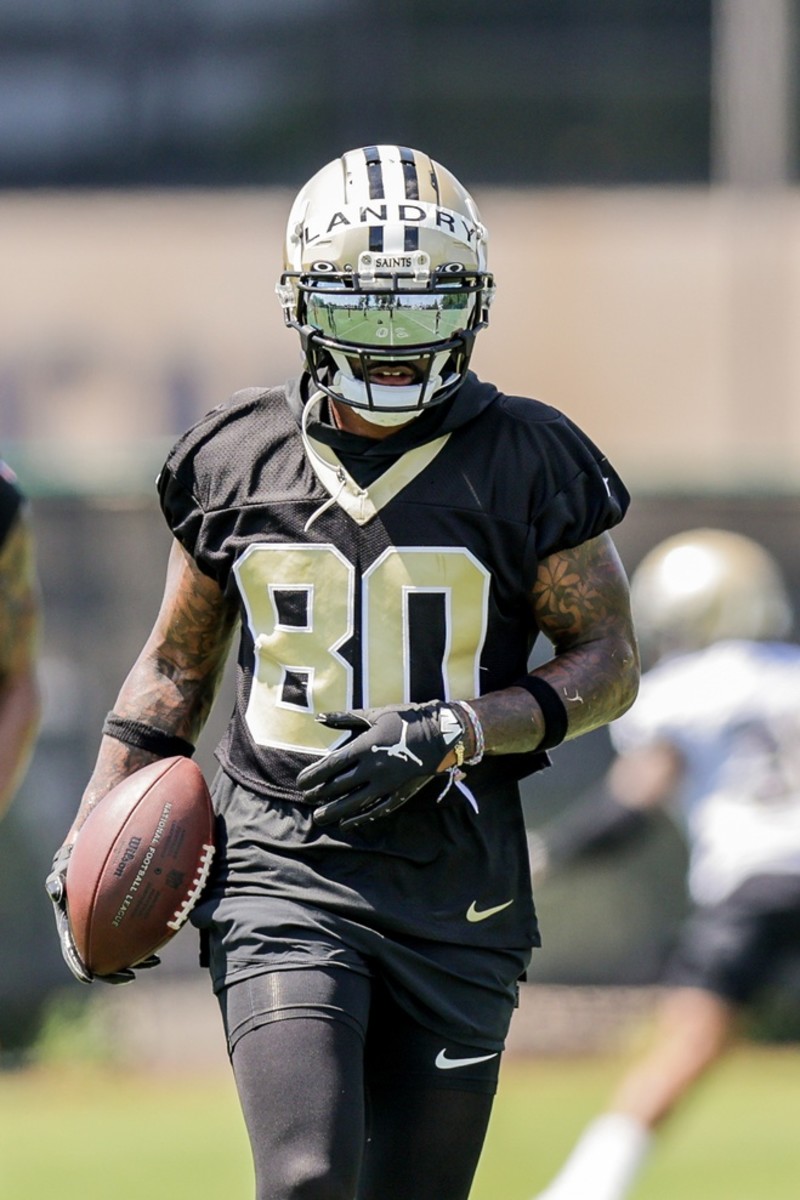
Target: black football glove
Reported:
[(56, 887), (394, 752)]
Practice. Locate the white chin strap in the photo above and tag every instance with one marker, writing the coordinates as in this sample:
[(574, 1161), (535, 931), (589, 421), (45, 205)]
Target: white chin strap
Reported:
[(379, 403), (384, 397)]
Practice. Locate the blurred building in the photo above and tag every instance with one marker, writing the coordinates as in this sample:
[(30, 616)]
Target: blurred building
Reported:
[(206, 92)]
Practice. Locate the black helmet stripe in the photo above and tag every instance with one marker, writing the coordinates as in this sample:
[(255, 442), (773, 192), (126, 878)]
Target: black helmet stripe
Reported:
[(410, 176), (374, 172), (434, 181)]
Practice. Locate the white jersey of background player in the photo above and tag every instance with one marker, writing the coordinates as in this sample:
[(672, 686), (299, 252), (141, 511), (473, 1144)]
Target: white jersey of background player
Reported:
[(732, 711), (715, 732)]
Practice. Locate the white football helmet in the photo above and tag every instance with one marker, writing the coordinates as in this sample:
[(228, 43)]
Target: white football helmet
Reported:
[(706, 585), (385, 279)]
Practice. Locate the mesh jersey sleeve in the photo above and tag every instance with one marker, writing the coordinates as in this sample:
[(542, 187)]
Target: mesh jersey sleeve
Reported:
[(199, 476), (181, 508), (583, 497)]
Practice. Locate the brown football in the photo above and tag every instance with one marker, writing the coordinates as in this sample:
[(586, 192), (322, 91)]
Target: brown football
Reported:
[(139, 864)]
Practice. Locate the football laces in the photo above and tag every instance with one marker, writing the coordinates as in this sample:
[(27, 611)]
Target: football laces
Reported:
[(199, 882)]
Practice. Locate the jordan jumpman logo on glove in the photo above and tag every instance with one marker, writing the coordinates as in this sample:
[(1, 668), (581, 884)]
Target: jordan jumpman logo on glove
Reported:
[(394, 752)]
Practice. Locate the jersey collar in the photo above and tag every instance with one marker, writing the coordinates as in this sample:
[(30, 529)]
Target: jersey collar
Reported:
[(360, 503)]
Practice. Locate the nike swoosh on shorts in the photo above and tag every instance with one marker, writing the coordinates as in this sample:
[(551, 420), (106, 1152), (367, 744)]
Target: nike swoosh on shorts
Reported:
[(447, 1064), (476, 914)]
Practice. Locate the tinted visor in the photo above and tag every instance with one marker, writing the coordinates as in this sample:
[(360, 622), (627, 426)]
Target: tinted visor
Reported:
[(389, 319)]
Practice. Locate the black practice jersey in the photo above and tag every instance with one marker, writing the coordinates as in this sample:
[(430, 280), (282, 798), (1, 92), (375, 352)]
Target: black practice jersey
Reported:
[(11, 501), (377, 572)]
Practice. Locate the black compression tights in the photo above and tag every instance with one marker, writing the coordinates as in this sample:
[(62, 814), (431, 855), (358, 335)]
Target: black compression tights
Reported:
[(300, 1084)]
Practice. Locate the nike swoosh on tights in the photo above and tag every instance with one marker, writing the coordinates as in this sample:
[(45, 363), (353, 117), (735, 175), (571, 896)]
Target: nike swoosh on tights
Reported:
[(447, 1064), (476, 914)]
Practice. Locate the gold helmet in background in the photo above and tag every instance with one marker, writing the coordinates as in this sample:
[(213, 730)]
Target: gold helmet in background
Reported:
[(706, 585)]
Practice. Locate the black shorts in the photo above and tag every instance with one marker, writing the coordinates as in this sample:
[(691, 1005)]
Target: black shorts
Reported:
[(458, 992), (402, 1052), (736, 947), (284, 897)]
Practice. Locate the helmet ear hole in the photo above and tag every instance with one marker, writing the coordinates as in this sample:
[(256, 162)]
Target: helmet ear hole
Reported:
[(380, 281)]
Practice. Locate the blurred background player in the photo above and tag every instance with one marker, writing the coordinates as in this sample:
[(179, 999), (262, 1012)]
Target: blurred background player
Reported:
[(387, 531), (19, 621), (716, 732)]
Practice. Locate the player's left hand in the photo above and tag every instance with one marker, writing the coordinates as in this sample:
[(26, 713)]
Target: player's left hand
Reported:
[(394, 752)]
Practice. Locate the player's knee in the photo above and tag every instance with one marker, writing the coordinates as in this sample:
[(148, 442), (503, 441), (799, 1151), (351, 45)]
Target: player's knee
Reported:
[(305, 1176)]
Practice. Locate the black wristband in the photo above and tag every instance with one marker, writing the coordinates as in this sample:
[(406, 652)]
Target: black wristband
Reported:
[(552, 706), (146, 737)]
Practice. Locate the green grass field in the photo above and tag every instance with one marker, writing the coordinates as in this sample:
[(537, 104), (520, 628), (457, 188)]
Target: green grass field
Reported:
[(81, 1133)]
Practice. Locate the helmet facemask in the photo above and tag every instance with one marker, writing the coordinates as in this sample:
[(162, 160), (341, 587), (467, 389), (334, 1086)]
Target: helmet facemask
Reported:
[(364, 313)]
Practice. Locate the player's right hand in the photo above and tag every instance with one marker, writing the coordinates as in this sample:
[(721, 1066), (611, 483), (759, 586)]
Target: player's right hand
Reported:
[(56, 888)]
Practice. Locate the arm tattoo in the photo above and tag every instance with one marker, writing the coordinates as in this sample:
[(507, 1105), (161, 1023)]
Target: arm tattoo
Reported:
[(577, 590), (580, 603), (188, 660), (176, 677)]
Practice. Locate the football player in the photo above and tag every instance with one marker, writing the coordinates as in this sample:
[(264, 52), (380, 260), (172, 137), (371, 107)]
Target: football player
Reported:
[(390, 534), (19, 625), (715, 732)]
